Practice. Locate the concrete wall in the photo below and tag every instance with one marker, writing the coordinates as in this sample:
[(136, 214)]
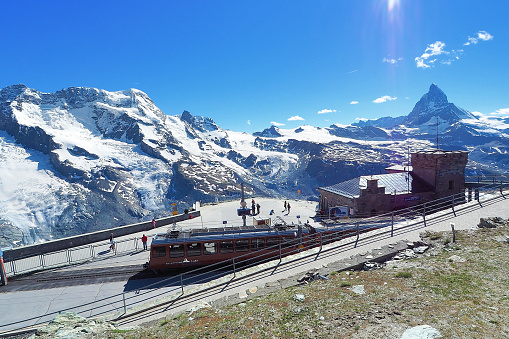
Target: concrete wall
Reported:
[(89, 238)]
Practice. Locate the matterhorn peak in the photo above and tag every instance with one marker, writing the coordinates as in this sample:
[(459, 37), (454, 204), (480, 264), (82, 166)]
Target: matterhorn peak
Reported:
[(436, 95), (433, 105)]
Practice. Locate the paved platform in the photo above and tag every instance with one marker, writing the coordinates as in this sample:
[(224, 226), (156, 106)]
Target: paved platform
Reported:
[(40, 305)]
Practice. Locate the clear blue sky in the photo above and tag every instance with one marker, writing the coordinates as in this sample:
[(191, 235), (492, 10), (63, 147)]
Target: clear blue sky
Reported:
[(247, 64)]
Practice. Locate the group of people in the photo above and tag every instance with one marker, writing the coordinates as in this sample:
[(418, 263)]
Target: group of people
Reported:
[(287, 207), (255, 208)]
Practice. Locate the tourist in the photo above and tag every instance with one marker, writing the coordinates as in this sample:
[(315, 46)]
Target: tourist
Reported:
[(144, 241)]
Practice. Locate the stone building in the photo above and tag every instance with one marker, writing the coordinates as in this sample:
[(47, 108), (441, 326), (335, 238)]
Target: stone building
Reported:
[(432, 175)]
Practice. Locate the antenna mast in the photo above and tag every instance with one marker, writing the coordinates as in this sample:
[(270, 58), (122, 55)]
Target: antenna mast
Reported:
[(437, 135)]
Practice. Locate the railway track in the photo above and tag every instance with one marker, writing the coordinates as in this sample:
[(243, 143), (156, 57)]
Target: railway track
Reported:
[(63, 278)]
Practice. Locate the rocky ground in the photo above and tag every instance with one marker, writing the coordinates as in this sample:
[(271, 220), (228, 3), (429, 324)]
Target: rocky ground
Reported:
[(454, 290)]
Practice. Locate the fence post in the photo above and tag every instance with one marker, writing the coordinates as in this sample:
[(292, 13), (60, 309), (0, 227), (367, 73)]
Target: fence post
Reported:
[(41, 259), (280, 250), (357, 240), (321, 242), (234, 272), (13, 267), (453, 211), (424, 214), (181, 283), (123, 297), (68, 256), (392, 224)]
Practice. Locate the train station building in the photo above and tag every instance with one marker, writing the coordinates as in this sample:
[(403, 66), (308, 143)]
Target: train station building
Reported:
[(431, 175)]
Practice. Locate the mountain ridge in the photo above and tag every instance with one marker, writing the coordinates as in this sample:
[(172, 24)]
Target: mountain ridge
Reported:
[(114, 157)]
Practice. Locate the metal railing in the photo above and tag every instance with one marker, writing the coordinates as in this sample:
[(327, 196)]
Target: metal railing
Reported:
[(70, 256), (361, 232)]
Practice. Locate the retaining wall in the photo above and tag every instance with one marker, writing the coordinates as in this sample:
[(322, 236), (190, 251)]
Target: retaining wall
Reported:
[(88, 238)]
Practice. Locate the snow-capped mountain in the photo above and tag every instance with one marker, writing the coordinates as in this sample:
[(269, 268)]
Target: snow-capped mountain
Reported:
[(84, 159)]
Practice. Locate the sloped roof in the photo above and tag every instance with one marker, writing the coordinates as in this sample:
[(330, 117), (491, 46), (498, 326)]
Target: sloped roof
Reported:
[(399, 183)]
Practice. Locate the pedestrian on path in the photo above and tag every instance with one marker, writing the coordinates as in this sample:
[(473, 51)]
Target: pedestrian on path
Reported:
[(258, 208), (288, 208), (112, 242), (253, 207), (144, 241), (153, 222), (285, 207)]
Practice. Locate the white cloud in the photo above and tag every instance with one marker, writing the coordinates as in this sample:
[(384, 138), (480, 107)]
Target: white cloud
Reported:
[(502, 112), (352, 71), (323, 111), (362, 119), (249, 122), (434, 49), (392, 61), (481, 35), (274, 123), (354, 103), (296, 117), (384, 99)]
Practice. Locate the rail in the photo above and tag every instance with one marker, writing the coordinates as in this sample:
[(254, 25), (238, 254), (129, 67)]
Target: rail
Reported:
[(128, 303)]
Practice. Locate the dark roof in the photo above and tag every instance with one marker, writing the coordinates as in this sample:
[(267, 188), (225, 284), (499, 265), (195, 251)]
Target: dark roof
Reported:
[(401, 183)]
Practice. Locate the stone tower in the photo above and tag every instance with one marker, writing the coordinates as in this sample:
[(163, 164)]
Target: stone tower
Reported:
[(443, 170)]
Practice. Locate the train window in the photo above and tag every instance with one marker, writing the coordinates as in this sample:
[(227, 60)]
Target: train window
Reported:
[(226, 246), (242, 245), (193, 249), (257, 244), (159, 251), (210, 248), (287, 242), (273, 242), (176, 251)]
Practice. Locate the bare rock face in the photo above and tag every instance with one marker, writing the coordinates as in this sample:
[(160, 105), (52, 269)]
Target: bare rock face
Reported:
[(421, 332), (493, 222), (70, 325)]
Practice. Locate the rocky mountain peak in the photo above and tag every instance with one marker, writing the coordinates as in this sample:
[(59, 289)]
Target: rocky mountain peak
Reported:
[(271, 132), (202, 124), (433, 105), (436, 95)]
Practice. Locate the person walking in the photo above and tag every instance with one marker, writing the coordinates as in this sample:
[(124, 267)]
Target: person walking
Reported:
[(112, 242), (285, 207), (253, 207), (153, 222), (288, 208), (144, 241), (257, 208)]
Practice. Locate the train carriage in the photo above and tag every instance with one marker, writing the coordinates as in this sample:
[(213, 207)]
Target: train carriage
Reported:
[(194, 248)]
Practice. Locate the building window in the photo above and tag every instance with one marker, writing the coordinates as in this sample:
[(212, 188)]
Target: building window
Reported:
[(451, 184)]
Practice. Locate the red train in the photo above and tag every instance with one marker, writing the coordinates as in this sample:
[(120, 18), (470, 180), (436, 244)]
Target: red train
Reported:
[(205, 247)]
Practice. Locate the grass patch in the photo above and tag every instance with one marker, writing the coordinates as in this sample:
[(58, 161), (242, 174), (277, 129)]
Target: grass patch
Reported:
[(403, 275), (345, 284)]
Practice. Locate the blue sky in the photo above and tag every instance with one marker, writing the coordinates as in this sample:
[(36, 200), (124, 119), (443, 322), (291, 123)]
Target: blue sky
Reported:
[(250, 64)]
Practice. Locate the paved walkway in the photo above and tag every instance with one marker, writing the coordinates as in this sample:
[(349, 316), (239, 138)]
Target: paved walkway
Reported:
[(38, 306)]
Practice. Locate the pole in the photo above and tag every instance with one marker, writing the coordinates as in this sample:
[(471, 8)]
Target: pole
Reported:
[(453, 233), (392, 224), (3, 275), (424, 214), (357, 240)]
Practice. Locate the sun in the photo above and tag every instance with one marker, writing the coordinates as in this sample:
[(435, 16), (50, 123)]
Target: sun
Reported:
[(392, 4)]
